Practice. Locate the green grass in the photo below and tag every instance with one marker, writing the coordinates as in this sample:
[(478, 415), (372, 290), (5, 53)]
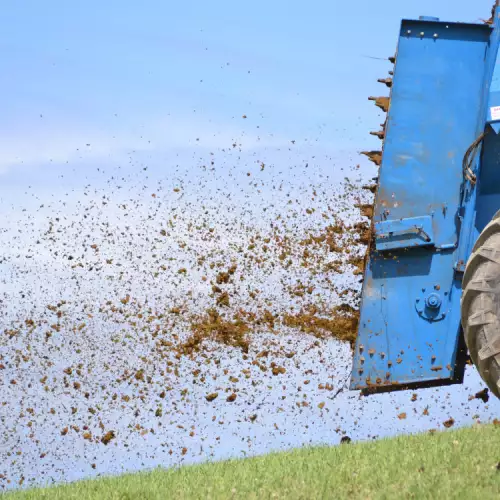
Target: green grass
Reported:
[(451, 464)]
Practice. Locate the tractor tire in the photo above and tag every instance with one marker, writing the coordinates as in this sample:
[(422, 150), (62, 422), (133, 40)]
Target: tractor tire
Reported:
[(480, 305)]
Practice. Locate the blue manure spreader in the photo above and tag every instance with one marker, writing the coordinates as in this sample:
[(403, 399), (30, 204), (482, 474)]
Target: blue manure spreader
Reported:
[(430, 301)]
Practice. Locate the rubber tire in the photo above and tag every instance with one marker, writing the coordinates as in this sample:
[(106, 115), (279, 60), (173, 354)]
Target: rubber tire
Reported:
[(479, 304)]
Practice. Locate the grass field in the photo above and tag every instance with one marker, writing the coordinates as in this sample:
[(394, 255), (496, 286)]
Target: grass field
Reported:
[(460, 463)]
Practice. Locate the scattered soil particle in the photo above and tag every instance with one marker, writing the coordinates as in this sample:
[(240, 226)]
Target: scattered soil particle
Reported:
[(278, 369), (482, 395), (223, 300), (358, 263), (224, 276), (342, 324), (213, 326), (449, 423), (381, 102), (374, 156), (158, 325), (491, 20), (366, 210)]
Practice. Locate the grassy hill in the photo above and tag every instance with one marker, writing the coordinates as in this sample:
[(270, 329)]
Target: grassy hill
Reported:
[(460, 463)]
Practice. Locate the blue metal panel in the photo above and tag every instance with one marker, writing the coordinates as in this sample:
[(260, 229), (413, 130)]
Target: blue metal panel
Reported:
[(494, 98), (488, 196), (475, 211), (410, 310), (488, 189)]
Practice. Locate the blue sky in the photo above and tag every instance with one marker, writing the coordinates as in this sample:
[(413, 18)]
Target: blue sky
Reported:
[(123, 86), (124, 76)]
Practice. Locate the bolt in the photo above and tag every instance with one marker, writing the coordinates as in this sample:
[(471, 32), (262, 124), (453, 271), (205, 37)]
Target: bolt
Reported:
[(433, 301)]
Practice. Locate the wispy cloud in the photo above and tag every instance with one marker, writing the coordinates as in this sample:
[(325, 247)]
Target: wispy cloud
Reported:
[(71, 142)]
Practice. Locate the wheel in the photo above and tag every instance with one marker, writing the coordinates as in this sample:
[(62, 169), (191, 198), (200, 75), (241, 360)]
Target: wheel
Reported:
[(480, 305)]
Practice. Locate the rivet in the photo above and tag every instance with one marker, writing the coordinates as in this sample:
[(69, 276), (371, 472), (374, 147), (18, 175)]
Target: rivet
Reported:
[(435, 35), (422, 33), (409, 32)]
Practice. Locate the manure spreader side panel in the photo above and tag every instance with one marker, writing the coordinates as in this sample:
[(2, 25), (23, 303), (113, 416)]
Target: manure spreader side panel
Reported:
[(410, 307)]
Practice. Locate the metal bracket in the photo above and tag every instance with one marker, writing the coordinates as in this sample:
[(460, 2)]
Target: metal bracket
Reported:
[(404, 233)]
